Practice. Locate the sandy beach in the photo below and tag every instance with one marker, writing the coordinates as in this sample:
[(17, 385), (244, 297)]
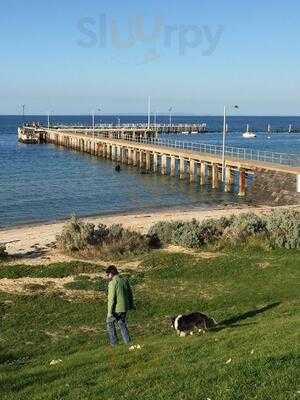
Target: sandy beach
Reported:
[(33, 244)]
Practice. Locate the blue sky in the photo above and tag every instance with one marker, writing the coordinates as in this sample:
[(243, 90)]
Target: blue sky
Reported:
[(73, 56)]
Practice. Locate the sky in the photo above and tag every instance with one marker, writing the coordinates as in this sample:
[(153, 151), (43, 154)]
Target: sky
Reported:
[(70, 57)]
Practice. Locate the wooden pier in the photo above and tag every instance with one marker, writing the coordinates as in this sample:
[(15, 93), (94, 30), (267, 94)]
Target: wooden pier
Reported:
[(137, 147)]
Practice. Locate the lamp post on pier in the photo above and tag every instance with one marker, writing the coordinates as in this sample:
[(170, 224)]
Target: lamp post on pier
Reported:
[(93, 119), (170, 116), (48, 118), (149, 111), (224, 140), (23, 113)]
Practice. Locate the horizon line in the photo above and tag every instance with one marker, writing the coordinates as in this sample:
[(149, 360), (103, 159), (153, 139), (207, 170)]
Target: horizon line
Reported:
[(145, 115)]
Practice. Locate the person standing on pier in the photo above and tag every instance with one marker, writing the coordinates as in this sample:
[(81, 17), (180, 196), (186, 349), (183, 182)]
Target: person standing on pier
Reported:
[(120, 301)]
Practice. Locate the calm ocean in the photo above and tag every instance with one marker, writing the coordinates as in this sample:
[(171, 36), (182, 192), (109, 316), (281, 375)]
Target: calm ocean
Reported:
[(43, 182)]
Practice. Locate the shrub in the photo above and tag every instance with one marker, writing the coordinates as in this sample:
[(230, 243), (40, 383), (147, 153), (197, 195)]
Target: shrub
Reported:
[(213, 229), (120, 241), (100, 234), (3, 253), (191, 233), (187, 234), (281, 228), (163, 231), (250, 223), (78, 236), (243, 227), (284, 228)]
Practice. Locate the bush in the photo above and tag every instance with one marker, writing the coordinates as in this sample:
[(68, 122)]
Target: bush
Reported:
[(278, 229), (190, 234), (78, 236), (250, 223), (163, 231), (3, 253), (284, 228), (242, 228), (120, 241)]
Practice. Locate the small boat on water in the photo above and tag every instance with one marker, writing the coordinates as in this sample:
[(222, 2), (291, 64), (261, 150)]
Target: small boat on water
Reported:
[(185, 132), (248, 134)]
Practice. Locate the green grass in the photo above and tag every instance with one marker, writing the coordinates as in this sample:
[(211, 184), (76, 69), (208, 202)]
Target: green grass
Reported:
[(83, 282), (57, 270), (255, 295)]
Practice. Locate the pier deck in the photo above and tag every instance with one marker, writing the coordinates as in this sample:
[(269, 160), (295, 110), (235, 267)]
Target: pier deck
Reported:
[(140, 148)]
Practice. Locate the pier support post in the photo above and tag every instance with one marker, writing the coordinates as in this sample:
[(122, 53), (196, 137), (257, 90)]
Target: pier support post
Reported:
[(215, 176), (242, 182), (118, 153), (148, 161), (98, 149), (113, 153), (172, 167), (192, 171), (164, 164), (209, 170), (129, 156), (134, 157), (141, 161), (202, 173), (109, 156), (228, 179), (181, 168), (104, 150), (124, 155), (155, 162)]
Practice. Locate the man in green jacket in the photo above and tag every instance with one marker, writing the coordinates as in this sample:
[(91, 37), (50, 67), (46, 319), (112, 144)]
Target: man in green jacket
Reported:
[(120, 300)]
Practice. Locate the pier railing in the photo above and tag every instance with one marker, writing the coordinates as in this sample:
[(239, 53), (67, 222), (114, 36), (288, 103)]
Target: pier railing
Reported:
[(238, 153)]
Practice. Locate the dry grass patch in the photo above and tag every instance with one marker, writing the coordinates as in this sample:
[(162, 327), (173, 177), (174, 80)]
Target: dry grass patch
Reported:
[(48, 286), (264, 264), (200, 254)]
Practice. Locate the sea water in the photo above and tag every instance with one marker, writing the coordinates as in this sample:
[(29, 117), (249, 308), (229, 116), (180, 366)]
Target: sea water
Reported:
[(43, 182)]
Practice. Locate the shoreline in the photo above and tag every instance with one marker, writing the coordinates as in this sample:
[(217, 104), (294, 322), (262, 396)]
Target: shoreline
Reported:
[(176, 208), (34, 244)]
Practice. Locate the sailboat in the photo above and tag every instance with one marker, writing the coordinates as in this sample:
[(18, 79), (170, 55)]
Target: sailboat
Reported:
[(248, 134)]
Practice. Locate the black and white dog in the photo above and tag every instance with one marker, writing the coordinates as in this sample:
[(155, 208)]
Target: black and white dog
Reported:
[(184, 324)]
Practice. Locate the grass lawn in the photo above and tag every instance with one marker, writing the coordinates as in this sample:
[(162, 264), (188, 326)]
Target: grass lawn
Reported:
[(253, 354)]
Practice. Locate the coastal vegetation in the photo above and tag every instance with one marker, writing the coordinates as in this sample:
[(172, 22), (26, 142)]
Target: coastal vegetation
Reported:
[(3, 253), (54, 346), (278, 229), (86, 240)]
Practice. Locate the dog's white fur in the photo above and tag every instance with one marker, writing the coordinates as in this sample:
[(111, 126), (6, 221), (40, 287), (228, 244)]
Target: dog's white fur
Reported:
[(176, 322)]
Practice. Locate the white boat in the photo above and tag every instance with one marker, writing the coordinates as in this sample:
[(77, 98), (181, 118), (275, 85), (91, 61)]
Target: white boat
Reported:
[(248, 134), (185, 132)]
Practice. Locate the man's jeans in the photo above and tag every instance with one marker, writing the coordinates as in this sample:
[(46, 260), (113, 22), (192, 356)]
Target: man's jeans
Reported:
[(111, 328)]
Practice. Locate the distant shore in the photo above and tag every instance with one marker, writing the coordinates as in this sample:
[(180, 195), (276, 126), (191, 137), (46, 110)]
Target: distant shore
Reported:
[(33, 244)]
